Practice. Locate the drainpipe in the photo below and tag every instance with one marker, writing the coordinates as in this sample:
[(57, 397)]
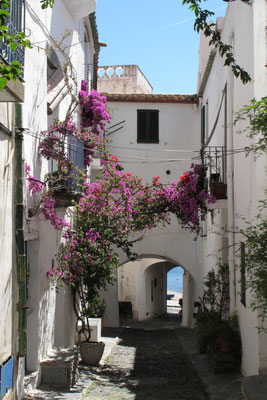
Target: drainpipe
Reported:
[(19, 236), (230, 184)]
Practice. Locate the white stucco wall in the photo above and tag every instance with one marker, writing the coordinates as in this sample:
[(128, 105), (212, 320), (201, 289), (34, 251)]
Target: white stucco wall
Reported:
[(50, 315), (6, 243), (179, 139), (179, 142), (244, 29), (135, 286)]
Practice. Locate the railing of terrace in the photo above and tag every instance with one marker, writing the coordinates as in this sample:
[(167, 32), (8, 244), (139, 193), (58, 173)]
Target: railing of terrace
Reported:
[(214, 157), (16, 24)]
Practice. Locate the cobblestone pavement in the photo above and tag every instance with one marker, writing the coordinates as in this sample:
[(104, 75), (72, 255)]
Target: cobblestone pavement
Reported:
[(146, 364)]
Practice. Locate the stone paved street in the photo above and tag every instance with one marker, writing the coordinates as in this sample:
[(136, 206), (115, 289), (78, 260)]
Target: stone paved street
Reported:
[(146, 364)]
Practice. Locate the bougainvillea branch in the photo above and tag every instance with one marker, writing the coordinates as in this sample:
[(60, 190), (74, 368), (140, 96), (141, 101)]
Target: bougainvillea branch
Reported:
[(112, 213)]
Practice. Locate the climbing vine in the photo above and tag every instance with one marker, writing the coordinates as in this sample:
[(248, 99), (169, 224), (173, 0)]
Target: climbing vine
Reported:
[(111, 213), (225, 50), (254, 236), (256, 113)]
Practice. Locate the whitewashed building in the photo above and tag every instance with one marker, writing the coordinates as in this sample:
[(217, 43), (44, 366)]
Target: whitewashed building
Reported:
[(34, 318), (170, 146), (244, 177)]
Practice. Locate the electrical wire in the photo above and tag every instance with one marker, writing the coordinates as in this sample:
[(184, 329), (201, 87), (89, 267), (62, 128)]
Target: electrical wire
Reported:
[(145, 160)]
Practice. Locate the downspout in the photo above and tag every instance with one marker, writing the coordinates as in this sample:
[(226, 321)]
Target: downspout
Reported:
[(230, 185), (19, 236)]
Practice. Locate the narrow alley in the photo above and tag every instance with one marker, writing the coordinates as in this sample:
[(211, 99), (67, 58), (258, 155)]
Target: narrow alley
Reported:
[(154, 359), (146, 364)]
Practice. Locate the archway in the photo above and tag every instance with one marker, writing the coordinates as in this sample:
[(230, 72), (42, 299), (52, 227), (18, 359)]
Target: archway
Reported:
[(175, 292), (142, 289)]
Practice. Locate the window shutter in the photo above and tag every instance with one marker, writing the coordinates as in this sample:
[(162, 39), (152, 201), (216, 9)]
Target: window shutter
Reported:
[(154, 126), (141, 125), (148, 126), (76, 152)]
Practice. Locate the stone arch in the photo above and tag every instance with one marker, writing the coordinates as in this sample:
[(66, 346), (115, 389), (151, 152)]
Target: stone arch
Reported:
[(142, 288)]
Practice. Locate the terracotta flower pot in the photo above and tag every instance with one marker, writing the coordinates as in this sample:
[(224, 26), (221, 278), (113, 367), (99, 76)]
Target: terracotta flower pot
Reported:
[(91, 352), (218, 189), (225, 345)]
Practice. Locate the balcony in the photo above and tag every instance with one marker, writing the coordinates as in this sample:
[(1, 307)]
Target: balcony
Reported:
[(80, 8), (14, 92), (214, 158)]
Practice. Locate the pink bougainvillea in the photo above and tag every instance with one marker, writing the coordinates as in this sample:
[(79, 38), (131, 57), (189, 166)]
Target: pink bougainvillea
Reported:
[(116, 206), (35, 186), (93, 110)]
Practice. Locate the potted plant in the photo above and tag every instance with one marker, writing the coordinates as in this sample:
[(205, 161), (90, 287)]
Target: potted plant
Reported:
[(96, 309), (225, 336), (214, 308), (87, 304), (217, 187)]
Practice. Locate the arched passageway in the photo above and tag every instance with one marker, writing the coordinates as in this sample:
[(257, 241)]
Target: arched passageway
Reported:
[(142, 289), (175, 292)]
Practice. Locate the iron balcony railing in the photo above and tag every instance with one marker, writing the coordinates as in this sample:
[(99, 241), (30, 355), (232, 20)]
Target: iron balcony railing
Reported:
[(214, 157), (16, 24)]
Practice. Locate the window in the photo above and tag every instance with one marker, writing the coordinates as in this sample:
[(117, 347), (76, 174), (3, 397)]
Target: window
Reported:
[(15, 25), (243, 274), (147, 126)]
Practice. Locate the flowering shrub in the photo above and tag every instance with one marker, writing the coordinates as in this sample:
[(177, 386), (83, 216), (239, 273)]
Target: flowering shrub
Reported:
[(48, 203), (54, 144), (35, 186), (118, 205), (187, 198), (94, 116), (94, 113), (111, 209)]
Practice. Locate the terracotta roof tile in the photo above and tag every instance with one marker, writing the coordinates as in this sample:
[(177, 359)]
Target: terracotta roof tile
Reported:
[(152, 98)]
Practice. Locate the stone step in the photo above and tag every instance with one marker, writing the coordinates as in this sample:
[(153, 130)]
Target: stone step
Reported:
[(60, 368)]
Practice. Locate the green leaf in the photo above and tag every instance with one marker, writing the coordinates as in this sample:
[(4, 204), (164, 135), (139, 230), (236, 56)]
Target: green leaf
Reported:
[(3, 82), (13, 46)]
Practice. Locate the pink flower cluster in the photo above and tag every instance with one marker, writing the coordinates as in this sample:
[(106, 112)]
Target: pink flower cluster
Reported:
[(55, 144), (187, 198), (94, 113), (35, 186), (118, 205), (50, 214)]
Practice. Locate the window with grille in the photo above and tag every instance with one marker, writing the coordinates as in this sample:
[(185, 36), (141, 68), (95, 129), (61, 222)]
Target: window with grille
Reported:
[(148, 126), (15, 25)]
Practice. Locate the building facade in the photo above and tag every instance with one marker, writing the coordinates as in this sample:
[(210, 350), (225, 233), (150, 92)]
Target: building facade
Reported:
[(34, 317), (155, 135), (230, 162)]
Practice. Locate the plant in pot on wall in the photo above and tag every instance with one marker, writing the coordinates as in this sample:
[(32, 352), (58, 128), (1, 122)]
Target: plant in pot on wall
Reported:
[(96, 309), (214, 307), (217, 187), (91, 347)]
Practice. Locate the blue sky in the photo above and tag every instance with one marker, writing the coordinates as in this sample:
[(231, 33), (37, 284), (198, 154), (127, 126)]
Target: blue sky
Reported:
[(156, 35)]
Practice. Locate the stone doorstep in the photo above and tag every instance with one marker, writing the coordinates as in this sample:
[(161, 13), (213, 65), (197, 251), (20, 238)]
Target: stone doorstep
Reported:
[(60, 368), (255, 387), (31, 381)]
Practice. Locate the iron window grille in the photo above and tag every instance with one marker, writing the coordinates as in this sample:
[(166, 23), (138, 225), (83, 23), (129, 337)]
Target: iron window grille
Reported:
[(16, 24)]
